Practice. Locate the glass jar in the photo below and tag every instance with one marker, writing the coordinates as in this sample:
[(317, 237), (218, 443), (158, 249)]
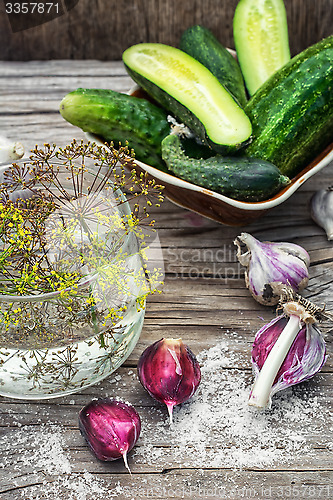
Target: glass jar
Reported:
[(52, 346), (60, 342)]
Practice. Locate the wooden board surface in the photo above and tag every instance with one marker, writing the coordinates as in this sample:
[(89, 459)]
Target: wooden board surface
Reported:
[(103, 29), (285, 453)]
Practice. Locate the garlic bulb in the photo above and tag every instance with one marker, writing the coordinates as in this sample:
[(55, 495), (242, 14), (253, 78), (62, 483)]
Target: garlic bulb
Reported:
[(9, 150), (268, 265), (286, 351), (322, 210)]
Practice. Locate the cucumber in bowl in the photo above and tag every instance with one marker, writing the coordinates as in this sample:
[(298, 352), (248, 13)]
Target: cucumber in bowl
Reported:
[(200, 43), (240, 178), (190, 92), (292, 112), (261, 39), (118, 117)]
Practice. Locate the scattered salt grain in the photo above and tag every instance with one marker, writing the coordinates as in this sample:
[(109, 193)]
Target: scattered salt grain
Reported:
[(43, 452), (217, 428), (115, 379)]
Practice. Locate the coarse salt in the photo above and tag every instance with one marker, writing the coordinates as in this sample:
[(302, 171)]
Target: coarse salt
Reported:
[(217, 428)]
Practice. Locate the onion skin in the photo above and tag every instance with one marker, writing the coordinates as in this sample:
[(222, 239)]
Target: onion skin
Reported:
[(170, 372), (110, 427)]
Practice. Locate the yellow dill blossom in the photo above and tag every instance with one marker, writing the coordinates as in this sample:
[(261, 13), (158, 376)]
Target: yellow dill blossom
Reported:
[(71, 240)]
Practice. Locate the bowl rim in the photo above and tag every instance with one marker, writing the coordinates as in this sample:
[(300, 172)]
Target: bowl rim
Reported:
[(315, 166)]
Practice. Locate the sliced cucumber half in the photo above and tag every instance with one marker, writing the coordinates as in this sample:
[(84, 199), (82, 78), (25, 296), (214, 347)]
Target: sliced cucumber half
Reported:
[(189, 91), (261, 39)]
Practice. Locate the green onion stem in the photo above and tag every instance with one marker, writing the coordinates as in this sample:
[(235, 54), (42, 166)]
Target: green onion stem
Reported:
[(261, 390)]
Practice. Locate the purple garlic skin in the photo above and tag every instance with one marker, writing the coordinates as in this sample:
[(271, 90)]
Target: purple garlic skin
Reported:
[(304, 359), (170, 372), (110, 427), (270, 265), (322, 210)]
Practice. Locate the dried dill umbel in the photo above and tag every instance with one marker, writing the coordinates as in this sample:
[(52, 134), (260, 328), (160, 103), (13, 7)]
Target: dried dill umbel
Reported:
[(72, 220)]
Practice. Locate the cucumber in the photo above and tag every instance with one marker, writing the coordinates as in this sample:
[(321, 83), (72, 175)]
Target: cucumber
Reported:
[(200, 43), (261, 39), (292, 113), (193, 149), (119, 118), (245, 179), (190, 92)]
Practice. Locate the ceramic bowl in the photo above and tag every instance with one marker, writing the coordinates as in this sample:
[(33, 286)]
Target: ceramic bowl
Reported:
[(216, 206), (219, 207)]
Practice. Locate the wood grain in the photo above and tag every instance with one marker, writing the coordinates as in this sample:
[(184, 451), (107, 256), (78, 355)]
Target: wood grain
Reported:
[(204, 300), (103, 29)]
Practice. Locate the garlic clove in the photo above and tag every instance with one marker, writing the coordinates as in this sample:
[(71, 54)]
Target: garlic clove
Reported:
[(10, 150), (322, 210), (294, 250), (110, 427), (170, 372), (268, 264)]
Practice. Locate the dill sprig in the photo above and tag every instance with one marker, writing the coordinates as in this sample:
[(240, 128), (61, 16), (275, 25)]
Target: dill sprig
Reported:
[(64, 219)]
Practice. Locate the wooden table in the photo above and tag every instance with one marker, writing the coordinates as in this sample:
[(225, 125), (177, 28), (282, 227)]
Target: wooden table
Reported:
[(284, 453)]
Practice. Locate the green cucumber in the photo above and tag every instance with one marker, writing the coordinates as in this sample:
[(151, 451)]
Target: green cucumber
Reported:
[(200, 43), (194, 149), (245, 179), (119, 118), (190, 92), (292, 113), (261, 39)]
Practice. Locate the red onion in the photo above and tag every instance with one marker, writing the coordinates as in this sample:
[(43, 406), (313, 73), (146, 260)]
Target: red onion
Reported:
[(170, 372), (110, 427)]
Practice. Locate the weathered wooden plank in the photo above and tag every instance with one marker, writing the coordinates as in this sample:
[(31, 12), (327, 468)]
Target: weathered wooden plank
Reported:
[(59, 84), (104, 31), (64, 68), (124, 384), (33, 473), (41, 442), (186, 483)]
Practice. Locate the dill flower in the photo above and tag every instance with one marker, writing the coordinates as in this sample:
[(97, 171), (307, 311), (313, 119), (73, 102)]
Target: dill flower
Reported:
[(66, 231)]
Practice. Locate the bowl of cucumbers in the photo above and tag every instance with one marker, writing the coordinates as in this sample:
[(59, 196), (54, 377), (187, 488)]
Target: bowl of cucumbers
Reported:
[(228, 138), (218, 207)]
